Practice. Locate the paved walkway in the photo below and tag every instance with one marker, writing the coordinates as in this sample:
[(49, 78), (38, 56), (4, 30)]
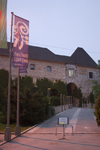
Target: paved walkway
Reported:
[(86, 134)]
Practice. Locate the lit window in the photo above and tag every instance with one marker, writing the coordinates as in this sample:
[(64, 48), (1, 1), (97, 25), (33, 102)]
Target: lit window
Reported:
[(48, 68), (91, 75), (32, 67), (71, 73)]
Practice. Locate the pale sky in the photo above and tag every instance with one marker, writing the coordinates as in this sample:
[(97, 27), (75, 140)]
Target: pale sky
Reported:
[(60, 25)]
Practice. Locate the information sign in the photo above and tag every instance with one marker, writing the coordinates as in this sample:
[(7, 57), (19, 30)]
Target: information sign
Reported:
[(63, 120)]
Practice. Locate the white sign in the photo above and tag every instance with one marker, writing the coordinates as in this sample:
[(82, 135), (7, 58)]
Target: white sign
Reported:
[(63, 120)]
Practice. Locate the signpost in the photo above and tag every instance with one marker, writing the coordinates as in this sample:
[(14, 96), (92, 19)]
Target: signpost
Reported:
[(7, 136), (20, 54), (63, 121)]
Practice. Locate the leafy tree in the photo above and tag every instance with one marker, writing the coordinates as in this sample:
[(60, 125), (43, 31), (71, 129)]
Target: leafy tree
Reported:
[(32, 107), (97, 110), (96, 89), (3, 95), (60, 87), (26, 107), (13, 105), (99, 65), (92, 98), (78, 94), (43, 85), (27, 81), (55, 101), (3, 78)]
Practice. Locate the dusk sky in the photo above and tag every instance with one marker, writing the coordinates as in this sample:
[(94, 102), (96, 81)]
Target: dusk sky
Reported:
[(60, 25)]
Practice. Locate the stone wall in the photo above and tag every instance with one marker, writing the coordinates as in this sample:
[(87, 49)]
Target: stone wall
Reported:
[(59, 71), (81, 78)]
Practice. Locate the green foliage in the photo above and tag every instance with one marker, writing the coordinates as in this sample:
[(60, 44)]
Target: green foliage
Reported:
[(13, 105), (61, 88), (26, 107), (92, 98), (44, 85), (96, 89), (3, 78), (97, 110), (26, 81), (3, 100), (33, 108), (55, 101), (78, 94), (99, 65), (33, 105)]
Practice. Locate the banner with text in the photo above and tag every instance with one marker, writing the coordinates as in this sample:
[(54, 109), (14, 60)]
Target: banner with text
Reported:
[(23, 70), (21, 39)]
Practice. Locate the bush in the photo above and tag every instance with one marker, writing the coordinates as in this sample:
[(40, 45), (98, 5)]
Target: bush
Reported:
[(92, 98), (55, 101), (97, 110), (4, 78), (60, 87), (44, 85), (33, 107), (3, 104)]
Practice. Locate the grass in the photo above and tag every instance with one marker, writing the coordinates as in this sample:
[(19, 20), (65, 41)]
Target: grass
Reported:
[(12, 127)]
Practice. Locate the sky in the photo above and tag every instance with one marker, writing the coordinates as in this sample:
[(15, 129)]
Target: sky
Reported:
[(60, 25)]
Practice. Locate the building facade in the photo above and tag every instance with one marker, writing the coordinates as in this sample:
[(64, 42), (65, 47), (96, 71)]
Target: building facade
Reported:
[(79, 70)]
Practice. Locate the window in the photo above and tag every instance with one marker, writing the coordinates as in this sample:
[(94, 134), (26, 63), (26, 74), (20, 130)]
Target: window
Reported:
[(32, 67), (91, 75), (56, 81), (48, 68), (71, 73)]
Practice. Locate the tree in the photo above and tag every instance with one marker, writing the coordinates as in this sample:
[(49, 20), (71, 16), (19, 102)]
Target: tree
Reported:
[(78, 94), (96, 89), (97, 110), (43, 85), (96, 85), (92, 98), (3, 78), (60, 87)]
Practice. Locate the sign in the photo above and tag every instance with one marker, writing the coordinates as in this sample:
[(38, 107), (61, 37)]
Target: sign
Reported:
[(23, 70), (63, 120), (21, 39)]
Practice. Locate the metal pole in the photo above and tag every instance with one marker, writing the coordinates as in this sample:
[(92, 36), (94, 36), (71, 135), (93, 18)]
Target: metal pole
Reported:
[(18, 99), (17, 128), (7, 136)]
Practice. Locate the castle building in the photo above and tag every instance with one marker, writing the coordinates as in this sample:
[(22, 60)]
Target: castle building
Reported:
[(79, 70)]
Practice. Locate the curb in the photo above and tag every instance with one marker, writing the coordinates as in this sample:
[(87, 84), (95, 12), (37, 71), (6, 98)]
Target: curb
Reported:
[(16, 135)]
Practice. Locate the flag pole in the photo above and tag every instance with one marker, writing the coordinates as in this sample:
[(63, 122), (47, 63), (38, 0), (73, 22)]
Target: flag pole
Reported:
[(17, 128), (7, 136)]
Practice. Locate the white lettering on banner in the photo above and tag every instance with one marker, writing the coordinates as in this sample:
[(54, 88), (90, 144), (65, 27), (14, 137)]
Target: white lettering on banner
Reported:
[(21, 55), (17, 59), (24, 60)]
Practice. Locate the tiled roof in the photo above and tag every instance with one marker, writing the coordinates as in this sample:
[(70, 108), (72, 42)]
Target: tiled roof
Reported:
[(79, 57)]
